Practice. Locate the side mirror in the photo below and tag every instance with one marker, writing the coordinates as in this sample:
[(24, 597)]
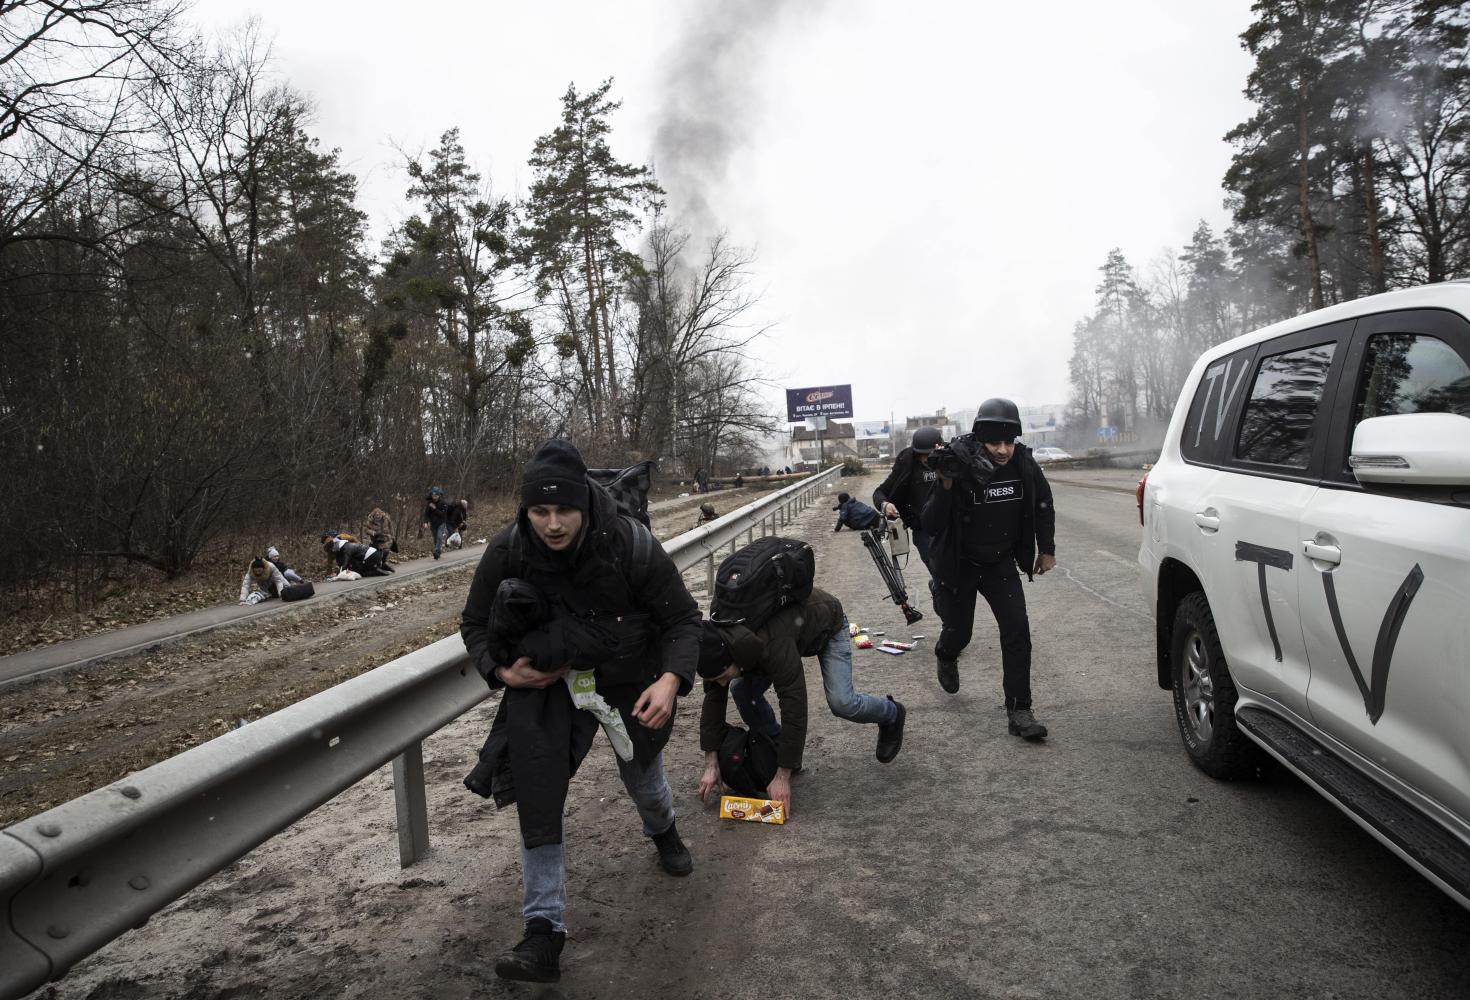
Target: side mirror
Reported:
[(1419, 449)]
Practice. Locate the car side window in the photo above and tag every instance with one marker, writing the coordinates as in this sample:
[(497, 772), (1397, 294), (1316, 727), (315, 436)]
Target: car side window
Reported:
[(1280, 417), (1213, 406), (1411, 373)]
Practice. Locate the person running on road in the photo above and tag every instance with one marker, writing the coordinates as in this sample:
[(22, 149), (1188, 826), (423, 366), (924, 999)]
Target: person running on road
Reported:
[(854, 514), (570, 542), (903, 493), (748, 663), (991, 513)]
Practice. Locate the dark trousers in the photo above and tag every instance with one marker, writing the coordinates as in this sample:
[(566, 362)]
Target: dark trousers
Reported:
[(921, 544), (1000, 585)]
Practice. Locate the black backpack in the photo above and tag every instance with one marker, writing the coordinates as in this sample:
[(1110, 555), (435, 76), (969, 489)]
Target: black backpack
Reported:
[(747, 761), (629, 487), (755, 582)]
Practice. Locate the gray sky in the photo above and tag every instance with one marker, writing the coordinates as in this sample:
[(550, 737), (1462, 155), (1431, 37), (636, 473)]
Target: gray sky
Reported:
[(929, 187)]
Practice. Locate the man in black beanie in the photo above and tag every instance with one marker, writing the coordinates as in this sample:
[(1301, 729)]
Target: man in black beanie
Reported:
[(593, 563)]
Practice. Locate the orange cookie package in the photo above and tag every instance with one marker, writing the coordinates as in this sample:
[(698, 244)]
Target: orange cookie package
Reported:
[(752, 810)]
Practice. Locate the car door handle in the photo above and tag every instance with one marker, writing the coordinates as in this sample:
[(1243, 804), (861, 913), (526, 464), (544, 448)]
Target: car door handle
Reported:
[(1208, 520), (1321, 553)]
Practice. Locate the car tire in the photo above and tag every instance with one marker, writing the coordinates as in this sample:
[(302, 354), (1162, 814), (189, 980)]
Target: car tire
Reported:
[(1204, 695)]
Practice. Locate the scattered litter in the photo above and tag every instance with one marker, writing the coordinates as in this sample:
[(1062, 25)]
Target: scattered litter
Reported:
[(853, 629), (890, 644), (879, 633), (863, 642), (916, 637), (890, 649)]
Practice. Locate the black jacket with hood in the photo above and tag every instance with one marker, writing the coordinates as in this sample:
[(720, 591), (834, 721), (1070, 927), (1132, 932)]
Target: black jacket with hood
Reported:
[(617, 574), (946, 520)]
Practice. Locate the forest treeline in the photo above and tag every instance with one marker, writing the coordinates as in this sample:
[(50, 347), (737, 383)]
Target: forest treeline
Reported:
[(196, 336), (1351, 177)]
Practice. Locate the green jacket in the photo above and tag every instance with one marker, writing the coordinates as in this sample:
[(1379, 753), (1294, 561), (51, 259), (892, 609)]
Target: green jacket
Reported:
[(774, 651)]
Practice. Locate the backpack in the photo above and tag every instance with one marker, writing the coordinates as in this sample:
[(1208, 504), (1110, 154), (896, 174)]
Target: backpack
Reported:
[(629, 487), (756, 581), (747, 761)]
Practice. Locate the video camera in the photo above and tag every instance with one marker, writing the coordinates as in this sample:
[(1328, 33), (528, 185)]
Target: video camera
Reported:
[(964, 456)]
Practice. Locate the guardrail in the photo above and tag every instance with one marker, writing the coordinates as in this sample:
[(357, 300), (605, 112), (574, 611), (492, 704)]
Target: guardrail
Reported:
[(77, 876)]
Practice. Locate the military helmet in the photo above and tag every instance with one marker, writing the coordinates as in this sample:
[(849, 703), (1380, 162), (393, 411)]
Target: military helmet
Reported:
[(997, 420)]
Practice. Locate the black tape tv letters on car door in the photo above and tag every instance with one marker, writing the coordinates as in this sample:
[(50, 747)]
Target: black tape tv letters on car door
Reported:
[(1375, 690)]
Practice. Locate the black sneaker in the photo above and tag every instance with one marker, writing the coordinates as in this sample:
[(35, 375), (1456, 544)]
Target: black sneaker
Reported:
[(949, 675), (890, 735), (537, 959), (1023, 724), (673, 856)]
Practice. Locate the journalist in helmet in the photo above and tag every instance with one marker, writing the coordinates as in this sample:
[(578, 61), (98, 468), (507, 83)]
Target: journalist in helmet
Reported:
[(903, 493), (990, 515)]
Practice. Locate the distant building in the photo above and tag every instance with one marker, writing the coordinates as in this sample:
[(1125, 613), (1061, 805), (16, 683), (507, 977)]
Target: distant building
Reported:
[(838, 441)]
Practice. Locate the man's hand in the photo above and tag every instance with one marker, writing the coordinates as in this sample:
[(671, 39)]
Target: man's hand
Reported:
[(521, 674), (655, 706), (889, 511), (780, 790), (944, 480), (1045, 562), (709, 781)]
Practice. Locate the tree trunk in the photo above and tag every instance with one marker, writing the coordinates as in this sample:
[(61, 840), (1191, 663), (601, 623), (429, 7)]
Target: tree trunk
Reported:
[(1376, 269), (1309, 228)]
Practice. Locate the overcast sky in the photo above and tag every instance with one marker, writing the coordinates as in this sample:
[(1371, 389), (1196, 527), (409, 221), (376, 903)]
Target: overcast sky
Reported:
[(929, 188)]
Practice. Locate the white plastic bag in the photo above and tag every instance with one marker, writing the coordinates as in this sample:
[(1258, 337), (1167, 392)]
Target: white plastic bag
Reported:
[(454, 541)]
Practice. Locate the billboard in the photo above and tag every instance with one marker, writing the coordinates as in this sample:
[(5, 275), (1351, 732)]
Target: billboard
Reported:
[(818, 401), (868, 430)]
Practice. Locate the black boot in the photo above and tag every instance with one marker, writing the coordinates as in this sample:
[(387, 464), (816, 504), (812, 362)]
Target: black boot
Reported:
[(949, 674), (890, 735), (537, 959), (1022, 722), (673, 856)]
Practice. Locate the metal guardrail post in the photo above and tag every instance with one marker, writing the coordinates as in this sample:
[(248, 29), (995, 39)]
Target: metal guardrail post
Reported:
[(409, 802), (709, 575)]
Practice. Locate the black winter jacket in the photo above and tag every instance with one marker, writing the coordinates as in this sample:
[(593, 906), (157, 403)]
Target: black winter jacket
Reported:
[(946, 520), (618, 576), (895, 489)]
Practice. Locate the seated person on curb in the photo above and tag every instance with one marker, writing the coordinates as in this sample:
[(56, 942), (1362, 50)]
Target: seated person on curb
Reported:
[(367, 560), (261, 582), (572, 545), (855, 514), (750, 662)]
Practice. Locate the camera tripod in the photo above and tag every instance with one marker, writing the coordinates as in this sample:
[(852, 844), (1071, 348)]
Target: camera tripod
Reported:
[(885, 542)]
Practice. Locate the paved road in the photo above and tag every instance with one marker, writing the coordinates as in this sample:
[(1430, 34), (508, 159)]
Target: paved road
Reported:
[(1099, 864)]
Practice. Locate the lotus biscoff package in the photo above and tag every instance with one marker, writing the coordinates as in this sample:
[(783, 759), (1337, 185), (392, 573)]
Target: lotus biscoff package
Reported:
[(752, 810)]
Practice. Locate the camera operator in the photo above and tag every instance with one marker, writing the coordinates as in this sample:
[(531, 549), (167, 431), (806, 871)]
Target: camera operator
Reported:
[(903, 493), (992, 513)]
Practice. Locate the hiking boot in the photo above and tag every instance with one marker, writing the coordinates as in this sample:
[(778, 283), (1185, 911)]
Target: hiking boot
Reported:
[(537, 959), (949, 674), (1023, 724), (890, 735), (673, 856)]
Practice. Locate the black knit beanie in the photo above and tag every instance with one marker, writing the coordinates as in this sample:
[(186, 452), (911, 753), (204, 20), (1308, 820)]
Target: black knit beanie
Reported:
[(555, 475)]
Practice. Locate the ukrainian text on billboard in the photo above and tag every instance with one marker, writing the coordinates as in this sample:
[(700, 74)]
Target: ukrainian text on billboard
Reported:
[(818, 401)]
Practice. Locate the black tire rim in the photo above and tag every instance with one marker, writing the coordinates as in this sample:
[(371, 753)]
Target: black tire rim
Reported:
[(1199, 686)]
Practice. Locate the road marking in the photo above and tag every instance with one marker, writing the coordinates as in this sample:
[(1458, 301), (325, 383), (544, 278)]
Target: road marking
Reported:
[(1116, 558), (1103, 597)]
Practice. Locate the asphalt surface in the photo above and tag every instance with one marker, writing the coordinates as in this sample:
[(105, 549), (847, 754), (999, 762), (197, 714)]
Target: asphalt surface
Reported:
[(1099, 863)]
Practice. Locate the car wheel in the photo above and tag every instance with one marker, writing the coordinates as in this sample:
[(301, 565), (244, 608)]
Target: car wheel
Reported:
[(1204, 695)]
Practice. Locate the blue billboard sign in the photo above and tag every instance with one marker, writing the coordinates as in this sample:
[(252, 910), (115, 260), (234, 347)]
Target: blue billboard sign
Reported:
[(819, 401)]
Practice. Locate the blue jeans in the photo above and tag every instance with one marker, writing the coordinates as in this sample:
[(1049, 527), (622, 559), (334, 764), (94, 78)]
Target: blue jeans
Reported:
[(749, 693), (441, 532), (544, 868)]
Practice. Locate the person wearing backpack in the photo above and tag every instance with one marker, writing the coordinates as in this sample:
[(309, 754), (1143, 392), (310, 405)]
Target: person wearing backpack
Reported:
[(571, 542), (991, 513), (749, 657)]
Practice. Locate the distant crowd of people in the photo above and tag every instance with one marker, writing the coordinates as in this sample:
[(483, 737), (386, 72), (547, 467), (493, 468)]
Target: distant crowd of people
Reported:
[(354, 554)]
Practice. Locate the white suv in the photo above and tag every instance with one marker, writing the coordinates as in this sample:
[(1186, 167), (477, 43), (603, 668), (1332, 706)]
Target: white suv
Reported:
[(1306, 546)]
